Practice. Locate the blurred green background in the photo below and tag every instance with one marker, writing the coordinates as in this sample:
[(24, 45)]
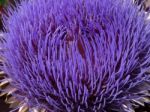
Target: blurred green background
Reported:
[(2, 5)]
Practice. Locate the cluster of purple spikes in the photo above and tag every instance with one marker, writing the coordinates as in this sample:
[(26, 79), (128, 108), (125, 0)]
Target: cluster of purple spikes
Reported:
[(78, 55)]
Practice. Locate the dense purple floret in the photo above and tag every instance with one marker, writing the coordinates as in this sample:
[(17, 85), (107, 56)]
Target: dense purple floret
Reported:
[(78, 55)]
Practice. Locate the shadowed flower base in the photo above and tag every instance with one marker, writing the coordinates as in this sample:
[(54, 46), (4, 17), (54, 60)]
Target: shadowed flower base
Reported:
[(6, 90)]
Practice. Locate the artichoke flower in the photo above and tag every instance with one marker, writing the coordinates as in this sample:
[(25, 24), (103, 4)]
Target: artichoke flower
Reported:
[(77, 55)]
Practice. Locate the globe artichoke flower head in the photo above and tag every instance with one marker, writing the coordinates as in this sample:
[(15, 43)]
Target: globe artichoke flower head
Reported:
[(78, 55)]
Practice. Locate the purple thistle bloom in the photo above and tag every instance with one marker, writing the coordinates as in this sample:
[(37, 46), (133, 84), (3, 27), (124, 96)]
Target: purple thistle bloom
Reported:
[(78, 55)]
